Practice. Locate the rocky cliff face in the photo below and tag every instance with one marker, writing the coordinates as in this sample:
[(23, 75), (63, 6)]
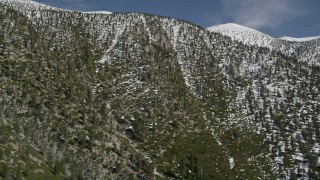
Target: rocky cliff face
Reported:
[(120, 96)]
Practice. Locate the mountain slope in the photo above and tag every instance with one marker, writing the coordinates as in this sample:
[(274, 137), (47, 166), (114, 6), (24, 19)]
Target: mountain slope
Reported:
[(123, 96)]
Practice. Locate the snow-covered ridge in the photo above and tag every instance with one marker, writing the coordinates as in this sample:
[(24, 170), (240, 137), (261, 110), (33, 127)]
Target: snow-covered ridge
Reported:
[(286, 38), (304, 49), (248, 35), (243, 34), (98, 12), (235, 28), (28, 5)]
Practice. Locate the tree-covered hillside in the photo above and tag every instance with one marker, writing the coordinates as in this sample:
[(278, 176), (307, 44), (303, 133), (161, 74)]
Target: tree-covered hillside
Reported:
[(136, 96)]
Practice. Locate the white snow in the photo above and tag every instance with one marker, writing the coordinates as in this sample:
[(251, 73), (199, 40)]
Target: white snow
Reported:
[(175, 35), (279, 160), (298, 157), (30, 5), (98, 12), (119, 32), (303, 39), (243, 34), (184, 66), (231, 162), (253, 37), (216, 136), (147, 27), (316, 149)]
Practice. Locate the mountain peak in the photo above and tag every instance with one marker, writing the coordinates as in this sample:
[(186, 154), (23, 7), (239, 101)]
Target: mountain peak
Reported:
[(230, 26), (253, 37), (243, 34), (233, 27)]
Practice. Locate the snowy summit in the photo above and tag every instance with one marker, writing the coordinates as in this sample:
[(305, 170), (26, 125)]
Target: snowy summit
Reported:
[(243, 34), (286, 45), (250, 36)]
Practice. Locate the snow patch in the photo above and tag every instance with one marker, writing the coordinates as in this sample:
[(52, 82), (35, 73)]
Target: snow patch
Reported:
[(106, 57), (147, 27), (231, 162), (182, 62)]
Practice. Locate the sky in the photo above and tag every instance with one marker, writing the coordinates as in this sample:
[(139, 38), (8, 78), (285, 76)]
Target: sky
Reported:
[(295, 18)]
